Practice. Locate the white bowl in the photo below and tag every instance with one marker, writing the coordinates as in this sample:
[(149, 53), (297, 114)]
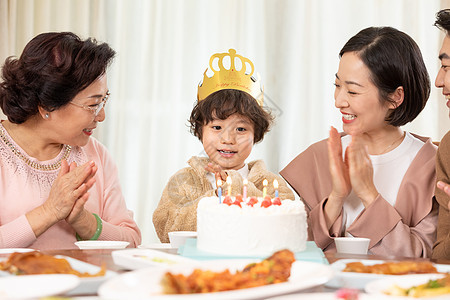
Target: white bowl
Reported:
[(352, 245), (102, 244), (178, 238)]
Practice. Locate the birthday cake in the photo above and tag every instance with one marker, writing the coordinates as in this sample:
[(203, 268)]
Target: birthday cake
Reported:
[(255, 226)]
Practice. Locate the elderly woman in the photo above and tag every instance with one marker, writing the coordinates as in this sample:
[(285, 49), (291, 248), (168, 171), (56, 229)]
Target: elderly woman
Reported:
[(58, 184), (375, 180)]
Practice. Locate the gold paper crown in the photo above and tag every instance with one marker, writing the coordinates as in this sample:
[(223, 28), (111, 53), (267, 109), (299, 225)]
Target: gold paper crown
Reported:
[(231, 78)]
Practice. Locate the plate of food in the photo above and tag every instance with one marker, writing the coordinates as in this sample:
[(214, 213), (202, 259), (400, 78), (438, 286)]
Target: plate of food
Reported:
[(36, 286), (37, 263), (133, 259), (222, 279), (356, 273), (416, 286)]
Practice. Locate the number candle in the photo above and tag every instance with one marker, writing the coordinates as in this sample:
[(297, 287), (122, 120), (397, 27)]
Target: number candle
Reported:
[(219, 190), (244, 192), (275, 186), (265, 183), (229, 185)]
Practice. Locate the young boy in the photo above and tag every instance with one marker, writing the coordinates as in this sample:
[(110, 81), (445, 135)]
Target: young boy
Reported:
[(228, 119)]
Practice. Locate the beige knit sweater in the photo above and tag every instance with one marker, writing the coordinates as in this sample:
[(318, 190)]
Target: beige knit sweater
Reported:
[(177, 209)]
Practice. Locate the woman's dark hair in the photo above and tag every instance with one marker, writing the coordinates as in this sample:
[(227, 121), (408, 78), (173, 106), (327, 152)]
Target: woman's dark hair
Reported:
[(443, 20), (224, 103), (53, 68), (394, 60)]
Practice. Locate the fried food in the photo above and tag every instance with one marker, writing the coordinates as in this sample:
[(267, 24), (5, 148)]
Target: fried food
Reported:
[(275, 269), (392, 268), (35, 262), (431, 288)]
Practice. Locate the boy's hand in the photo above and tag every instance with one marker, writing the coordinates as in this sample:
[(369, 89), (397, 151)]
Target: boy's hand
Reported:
[(217, 170)]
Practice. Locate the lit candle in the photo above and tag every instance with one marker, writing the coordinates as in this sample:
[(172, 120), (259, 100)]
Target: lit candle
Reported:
[(244, 192), (275, 186), (229, 185), (219, 190), (265, 183)]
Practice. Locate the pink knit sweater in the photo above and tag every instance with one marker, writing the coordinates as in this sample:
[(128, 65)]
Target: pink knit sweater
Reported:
[(22, 188)]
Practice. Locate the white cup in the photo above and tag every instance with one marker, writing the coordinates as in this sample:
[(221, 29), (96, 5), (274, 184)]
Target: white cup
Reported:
[(178, 238), (352, 245)]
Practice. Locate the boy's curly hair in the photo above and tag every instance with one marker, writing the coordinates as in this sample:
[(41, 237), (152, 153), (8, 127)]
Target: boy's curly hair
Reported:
[(225, 103)]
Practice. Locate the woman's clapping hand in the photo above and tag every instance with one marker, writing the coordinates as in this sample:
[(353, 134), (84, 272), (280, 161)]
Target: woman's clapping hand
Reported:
[(69, 192), (352, 171)]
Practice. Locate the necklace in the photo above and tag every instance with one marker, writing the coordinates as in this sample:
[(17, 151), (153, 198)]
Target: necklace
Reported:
[(33, 164), (389, 147)]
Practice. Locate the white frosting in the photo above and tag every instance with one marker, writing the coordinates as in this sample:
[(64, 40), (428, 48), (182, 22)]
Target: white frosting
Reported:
[(256, 230)]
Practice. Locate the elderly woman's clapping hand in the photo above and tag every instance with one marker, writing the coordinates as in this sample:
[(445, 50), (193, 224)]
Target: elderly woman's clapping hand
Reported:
[(71, 186)]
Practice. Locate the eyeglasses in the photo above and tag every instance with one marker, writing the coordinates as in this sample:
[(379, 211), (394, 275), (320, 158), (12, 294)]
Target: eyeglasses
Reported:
[(94, 108)]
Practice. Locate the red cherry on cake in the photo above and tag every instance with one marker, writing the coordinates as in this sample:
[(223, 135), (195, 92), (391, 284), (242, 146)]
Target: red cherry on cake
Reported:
[(252, 201), (228, 200), (239, 198), (266, 202), (276, 201), (237, 202)]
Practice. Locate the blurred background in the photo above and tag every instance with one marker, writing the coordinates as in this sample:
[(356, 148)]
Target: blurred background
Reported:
[(163, 47)]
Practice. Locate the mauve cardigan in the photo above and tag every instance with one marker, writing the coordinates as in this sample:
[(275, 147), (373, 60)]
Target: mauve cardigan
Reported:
[(406, 229)]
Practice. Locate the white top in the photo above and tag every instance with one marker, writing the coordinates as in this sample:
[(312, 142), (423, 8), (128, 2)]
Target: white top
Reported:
[(212, 178), (388, 172)]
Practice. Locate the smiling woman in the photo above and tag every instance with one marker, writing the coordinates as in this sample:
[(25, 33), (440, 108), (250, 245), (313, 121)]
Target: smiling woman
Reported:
[(376, 181), (59, 183)]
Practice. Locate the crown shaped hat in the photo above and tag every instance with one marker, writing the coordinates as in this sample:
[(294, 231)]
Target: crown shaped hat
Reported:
[(231, 78)]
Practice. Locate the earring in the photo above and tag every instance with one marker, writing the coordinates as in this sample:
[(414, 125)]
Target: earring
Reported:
[(46, 115)]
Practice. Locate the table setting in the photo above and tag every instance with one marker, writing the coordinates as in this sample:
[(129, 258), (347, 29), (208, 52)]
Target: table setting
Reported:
[(136, 273)]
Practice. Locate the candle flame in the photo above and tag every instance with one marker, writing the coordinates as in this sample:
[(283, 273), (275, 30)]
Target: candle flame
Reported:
[(275, 184), (265, 182), (219, 182), (229, 180), (245, 181)]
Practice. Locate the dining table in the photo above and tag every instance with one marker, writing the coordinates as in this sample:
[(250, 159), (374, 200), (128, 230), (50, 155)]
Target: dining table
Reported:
[(99, 257), (103, 257)]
